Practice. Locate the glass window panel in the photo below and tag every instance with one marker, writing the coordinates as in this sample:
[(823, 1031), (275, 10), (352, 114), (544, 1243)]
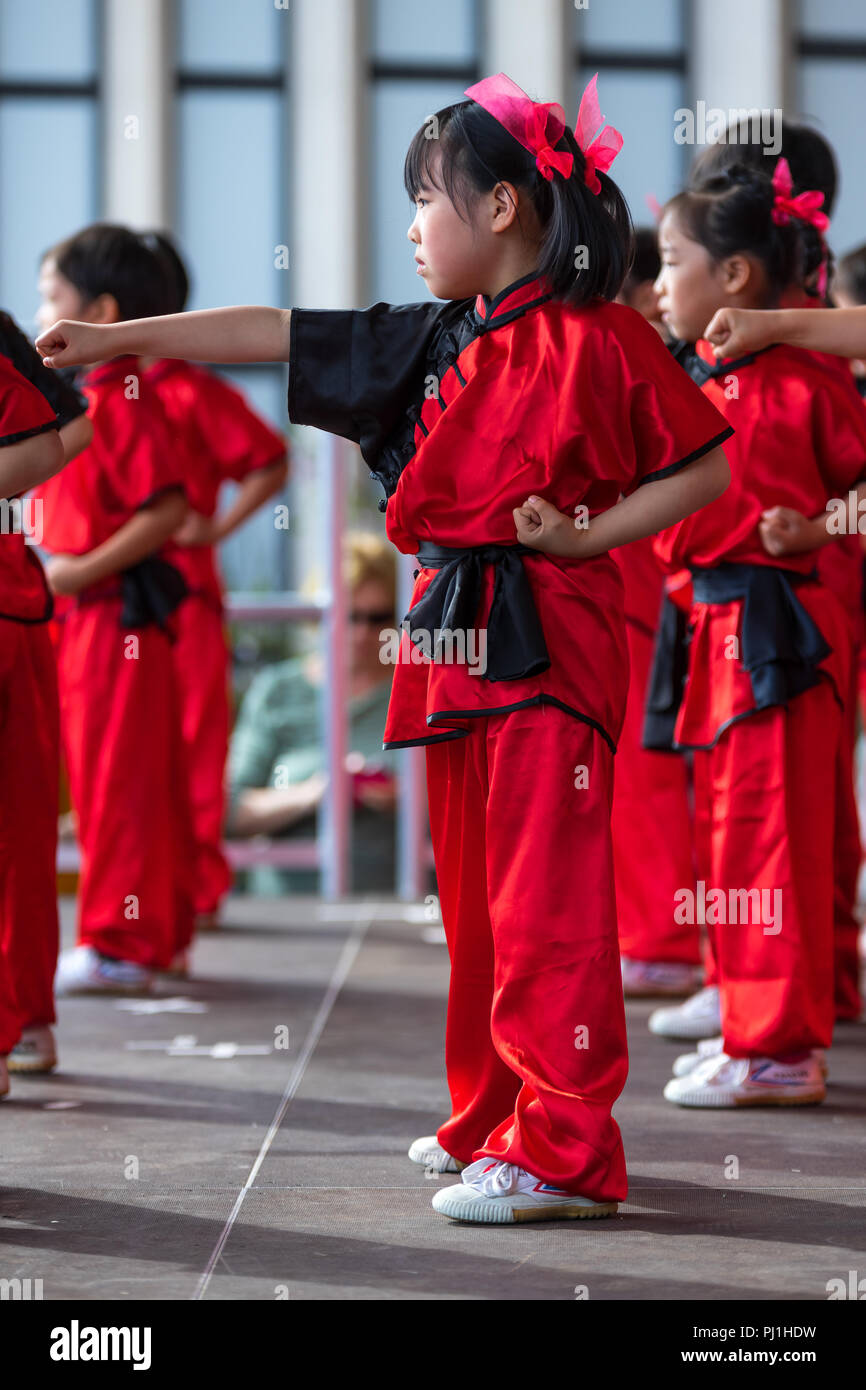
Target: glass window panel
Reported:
[(229, 196), (832, 97), (631, 25), (257, 556), (41, 40), (827, 19), (641, 105), (38, 211), (414, 31), (398, 109), (230, 36)]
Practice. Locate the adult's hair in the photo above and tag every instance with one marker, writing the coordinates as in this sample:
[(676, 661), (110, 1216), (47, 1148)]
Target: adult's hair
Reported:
[(477, 152)]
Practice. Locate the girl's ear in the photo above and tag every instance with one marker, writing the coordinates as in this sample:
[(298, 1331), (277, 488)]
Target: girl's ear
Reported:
[(104, 309), (504, 206), (738, 273)]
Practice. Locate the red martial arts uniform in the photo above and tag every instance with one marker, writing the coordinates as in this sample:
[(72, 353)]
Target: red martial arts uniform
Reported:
[(120, 715), (29, 737), (768, 672), (225, 441), (462, 409), (840, 567), (652, 820)]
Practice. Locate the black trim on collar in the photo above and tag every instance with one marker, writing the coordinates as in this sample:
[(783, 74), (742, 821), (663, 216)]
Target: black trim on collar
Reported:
[(492, 319), (725, 366)]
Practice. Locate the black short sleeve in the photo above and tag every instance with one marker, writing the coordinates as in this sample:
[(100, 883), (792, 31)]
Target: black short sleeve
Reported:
[(56, 387), (354, 372)]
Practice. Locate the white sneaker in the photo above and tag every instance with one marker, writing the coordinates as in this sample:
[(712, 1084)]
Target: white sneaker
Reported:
[(711, 1047), (645, 978), (698, 1017), (4, 1077), (34, 1051), (500, 1193), (431, 1153), (84, 971), (729, 1082)]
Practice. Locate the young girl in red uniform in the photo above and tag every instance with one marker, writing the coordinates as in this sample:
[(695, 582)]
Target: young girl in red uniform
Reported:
[(660, 956), (31, 753), (107, 518), (225, 441), (30, 452), (769, 651), (526, 379), (812, 166)]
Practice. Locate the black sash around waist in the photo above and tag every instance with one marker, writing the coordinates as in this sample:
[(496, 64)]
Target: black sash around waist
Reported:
[(151, 591), (781, 645), (515, 641)]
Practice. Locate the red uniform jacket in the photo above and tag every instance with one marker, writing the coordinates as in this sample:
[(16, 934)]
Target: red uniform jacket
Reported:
[(24, 411), (224, 439), (461, 410), (800, 440), (132, 458)]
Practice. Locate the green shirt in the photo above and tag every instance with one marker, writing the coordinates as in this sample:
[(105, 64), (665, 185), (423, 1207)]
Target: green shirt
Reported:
[(278, 741)]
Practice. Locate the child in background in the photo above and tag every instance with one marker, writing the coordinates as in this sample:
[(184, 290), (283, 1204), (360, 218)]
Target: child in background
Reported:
[(813, 170), (30, 752), (651, 789), (768, 657), (849, 291), (107, 520), (224, 440), (31, 450)]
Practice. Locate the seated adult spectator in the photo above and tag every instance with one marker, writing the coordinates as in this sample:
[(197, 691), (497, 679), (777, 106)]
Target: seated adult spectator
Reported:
[(277, 776)]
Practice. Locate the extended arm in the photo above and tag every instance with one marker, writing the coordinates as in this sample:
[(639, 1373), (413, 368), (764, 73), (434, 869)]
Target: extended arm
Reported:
[(244, 333), (735, 332)]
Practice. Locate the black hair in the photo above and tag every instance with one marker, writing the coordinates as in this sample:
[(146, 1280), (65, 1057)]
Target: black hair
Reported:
[(175, 269), (732, 212), (851, 275), (646, 262), (811, 160), (105, 258), (477, 153)]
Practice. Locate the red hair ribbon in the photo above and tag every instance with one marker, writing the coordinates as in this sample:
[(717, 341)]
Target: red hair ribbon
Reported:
[(539, 125), (600, 143), (805, 207)]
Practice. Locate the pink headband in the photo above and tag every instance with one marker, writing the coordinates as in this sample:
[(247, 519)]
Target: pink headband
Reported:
[(539, 125)]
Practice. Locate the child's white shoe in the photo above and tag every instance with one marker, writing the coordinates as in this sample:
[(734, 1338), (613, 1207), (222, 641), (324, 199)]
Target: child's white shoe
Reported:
[(729, 1082), (651, 978), (711, 1047), (34, 1051), (499, 1193), (431, 1154), (698, 1017), (83, 970)]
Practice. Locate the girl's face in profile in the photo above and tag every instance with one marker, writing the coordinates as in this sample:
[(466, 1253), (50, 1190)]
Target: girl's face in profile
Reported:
[(453, 255), (690, 286)]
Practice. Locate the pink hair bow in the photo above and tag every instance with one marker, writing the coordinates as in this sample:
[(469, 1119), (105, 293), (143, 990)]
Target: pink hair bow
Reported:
[(600, 143), (806, 206), (539, 125)]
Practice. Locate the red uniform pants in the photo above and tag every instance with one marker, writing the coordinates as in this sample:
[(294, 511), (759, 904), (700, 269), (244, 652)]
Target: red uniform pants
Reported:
[(125, 757), (29, 771), (535, 1045), (848, 855), (772, 782), (202, 663), (652, 831)]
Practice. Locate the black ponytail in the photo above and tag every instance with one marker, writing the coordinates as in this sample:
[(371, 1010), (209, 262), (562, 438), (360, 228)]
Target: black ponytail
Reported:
[(731, 212), (587, 243)]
